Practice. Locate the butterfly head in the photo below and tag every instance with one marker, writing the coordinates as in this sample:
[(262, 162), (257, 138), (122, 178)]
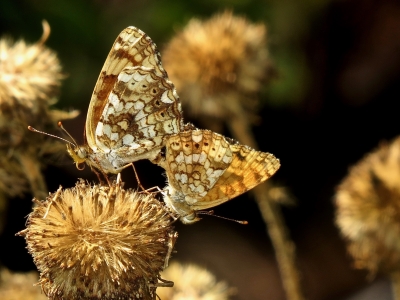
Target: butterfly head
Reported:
[(176, 201), (78, 153), (190, 218)]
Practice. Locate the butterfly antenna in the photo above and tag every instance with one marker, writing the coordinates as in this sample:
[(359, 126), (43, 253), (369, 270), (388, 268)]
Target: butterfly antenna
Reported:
[(52, 135), (211, 213), (67, 133)]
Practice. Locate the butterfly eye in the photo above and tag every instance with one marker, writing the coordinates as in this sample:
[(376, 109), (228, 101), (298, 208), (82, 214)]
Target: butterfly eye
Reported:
[(80, 166), (189, 219), (81, 153)]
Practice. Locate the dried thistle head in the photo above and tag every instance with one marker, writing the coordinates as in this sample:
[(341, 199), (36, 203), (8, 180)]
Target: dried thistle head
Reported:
[(19, 286), (30, 76), (368, 209), (193, 282), (97, 242), (218, 65)]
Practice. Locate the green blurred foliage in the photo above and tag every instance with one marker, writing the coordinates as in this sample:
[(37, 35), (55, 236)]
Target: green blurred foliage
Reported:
[(83, 32)]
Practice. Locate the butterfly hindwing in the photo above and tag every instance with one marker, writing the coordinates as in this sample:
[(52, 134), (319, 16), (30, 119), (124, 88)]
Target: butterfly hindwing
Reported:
[(195, 160), (248, 169), (205, 169), (142, 108), (131, 48), (133, 108)]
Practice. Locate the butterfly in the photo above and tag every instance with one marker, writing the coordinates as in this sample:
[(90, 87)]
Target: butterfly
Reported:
[(205, 169), (133, 108)]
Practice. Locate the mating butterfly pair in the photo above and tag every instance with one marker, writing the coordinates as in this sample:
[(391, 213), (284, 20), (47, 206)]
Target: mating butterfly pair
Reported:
[(135, 113)]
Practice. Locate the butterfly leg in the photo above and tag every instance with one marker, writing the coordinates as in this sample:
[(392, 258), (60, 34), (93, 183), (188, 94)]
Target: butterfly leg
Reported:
[(163, 283), (136, 175), (160, 283), (99, 176), (137, 179), (171, 243), (148, 191)]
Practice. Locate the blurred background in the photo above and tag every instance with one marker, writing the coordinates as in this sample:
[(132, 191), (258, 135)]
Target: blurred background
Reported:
[(333, 99)]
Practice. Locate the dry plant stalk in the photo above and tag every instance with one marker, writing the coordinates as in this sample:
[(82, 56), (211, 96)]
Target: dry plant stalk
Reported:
[(368, 212), (30, 77), (99, 242), (218, 67), (193, 282)]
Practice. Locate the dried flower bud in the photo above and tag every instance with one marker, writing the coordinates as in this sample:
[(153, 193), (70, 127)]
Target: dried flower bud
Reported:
[(19, 286), (368, 209), (30, 74), (218, 65), (97, 242), (29, 80), (193, 282)]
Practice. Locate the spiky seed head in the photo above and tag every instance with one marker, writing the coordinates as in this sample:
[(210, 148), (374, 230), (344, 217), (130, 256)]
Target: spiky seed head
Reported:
[(193, 282), (368, 209), (97, 242), (218, 65), (30, 76)]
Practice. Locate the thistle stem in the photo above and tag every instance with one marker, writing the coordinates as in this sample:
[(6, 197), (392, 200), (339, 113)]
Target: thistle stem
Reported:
[(33, 173), (395, 277), (3, 210), (285, 249)]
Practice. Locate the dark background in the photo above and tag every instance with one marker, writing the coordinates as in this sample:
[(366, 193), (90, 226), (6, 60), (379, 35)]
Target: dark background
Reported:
[(336, 97)]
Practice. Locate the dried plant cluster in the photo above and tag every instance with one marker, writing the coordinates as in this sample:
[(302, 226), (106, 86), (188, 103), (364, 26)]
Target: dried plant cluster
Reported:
[(98, 242), (368, 209), (219, 65), (30, 76), (16, 286), (194, 283), (104, 242)]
